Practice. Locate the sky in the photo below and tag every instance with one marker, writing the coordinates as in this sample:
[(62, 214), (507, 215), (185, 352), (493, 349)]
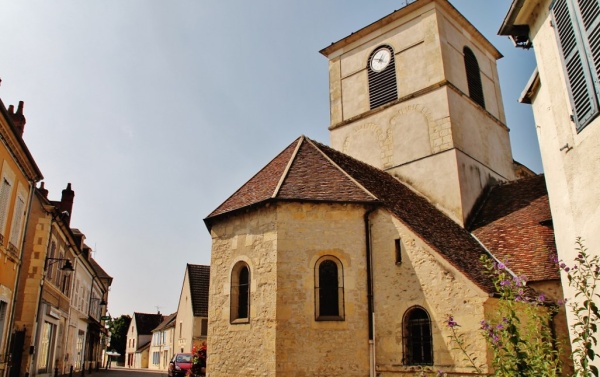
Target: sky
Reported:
[(157, 111)]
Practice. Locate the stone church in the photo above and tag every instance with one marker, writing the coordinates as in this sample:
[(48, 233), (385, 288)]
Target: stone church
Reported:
[(347, 260)]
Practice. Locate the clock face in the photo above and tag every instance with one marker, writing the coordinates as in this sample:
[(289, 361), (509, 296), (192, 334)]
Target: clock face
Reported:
[(380, 59)]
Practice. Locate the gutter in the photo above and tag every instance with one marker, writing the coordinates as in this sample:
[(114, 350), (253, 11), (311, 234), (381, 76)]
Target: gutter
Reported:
[(371, 312)]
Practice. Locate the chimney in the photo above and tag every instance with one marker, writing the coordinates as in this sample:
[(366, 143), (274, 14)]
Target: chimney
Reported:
[(66, 202), (18, 118), (43, 190)]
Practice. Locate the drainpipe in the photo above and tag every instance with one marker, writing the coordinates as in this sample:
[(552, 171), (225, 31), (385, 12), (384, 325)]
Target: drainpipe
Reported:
[(20, 267), (371, 313)]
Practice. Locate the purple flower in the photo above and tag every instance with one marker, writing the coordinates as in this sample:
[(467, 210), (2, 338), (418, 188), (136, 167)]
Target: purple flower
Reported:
[(542, 298), (501, 266), (499, 326), (450, 322)]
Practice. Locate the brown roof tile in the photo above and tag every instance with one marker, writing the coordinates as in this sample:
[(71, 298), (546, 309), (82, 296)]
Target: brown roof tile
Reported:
[(199, 278), (514, 222), (147, 322), (309, 170)]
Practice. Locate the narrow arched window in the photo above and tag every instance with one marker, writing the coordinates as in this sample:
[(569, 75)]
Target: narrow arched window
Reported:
[(240, 293), (418, 344), (329, 289), (473, 77), (381, 70)]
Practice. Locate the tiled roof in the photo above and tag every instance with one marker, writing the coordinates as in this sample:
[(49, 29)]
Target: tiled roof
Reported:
[(199, 278), (147, 322), (102, 275), (296, 173), (307, 170), (515, 224), (168, 321)]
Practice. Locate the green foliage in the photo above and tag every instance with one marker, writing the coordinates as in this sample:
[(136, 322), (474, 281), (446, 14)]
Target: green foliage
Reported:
[(583, 277), (118, 340), (460, 344), (520, 337)]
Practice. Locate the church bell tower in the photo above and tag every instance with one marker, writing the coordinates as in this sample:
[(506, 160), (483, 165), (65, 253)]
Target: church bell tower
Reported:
[(417, 95)]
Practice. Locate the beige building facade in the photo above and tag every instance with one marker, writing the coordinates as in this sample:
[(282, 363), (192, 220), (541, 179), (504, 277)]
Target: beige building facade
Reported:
[(191, 323), (433, 135), (565, 104), (19, 175), (348, 260)]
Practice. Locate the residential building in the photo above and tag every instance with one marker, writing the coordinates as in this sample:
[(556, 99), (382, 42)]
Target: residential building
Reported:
[(347, 260), (19, 175), (564, 92), (139, 336), (42, 311), (86, 333), (192, 310), (161, 348)]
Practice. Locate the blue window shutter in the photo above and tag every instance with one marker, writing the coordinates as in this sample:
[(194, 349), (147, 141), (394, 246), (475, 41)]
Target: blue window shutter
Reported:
[(573, 41), (589, 13)]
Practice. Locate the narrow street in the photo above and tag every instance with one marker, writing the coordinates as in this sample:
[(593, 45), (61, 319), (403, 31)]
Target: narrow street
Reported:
[(115, 371)]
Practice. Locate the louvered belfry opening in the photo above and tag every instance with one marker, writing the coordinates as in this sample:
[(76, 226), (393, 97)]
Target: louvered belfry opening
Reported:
[(473, 77), (382, 85)]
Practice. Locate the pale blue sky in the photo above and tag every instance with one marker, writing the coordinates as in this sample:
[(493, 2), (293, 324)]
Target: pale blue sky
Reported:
[(157, 111)]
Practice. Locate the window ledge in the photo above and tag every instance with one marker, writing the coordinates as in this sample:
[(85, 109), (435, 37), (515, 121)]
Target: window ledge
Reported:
[(330, 318)]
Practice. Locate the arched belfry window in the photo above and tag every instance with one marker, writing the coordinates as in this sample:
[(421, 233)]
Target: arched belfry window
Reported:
[(418, 343), (329, 289), (382, 77), (473, 77), (240, 293)]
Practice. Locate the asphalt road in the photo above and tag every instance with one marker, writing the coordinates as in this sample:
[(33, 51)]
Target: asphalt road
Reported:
[(116, 371)]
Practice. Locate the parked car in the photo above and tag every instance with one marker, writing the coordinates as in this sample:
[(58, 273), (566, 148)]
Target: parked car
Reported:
[(180, 364)]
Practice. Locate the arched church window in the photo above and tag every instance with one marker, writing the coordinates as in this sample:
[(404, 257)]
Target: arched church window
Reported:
[(329, 289), (418, 343), (382, 77), (473, 77), (240, 293)]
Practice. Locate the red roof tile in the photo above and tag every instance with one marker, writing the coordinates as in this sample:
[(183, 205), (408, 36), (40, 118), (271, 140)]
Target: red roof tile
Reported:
[(307, 170), (514, 223)]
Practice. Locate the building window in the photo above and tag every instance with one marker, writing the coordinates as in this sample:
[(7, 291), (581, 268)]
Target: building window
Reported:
[(577, 25), (398, 250), (418, 344), (473, 77), (240, 293), (17, 222), (4, 201), (381, 72), (329, 289), (46, 344), (3, 306), (204, 327)]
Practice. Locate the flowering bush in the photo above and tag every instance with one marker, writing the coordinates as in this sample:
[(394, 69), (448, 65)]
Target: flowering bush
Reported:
[(583, 277), (199, 355), (521, 337)]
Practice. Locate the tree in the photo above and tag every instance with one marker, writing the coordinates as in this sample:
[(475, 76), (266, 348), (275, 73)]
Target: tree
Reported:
[(118, 328)]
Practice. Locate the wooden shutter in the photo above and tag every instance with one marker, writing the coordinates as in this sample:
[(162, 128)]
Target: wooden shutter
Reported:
[(571, 37), (17, 224), (4, 199)]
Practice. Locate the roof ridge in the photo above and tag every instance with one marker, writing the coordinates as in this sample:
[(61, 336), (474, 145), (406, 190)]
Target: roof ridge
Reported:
[(288, 166), (316, 144)]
